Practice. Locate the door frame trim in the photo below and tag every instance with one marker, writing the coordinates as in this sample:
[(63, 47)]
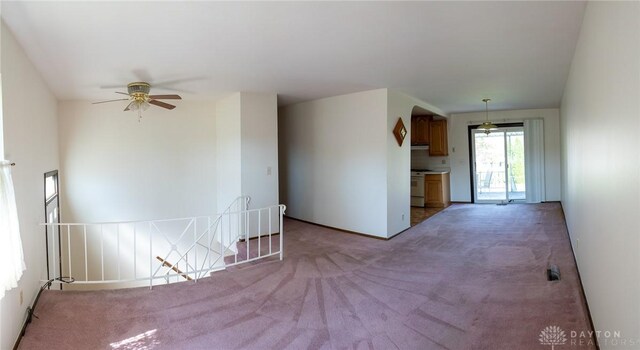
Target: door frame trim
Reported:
[(470, 129), (47, 201)]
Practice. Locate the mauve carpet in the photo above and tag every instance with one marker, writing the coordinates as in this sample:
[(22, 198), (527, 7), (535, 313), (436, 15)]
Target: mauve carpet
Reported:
[(471, 277)]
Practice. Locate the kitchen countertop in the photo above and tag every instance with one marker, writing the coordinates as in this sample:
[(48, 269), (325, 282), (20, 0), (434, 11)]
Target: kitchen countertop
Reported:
[(431, 172)]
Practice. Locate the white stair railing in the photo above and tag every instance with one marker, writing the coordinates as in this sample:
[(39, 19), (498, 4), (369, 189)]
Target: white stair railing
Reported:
[(135, 253)]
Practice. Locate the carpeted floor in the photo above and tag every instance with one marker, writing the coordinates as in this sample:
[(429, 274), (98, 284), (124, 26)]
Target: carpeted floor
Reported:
[(472, 277)]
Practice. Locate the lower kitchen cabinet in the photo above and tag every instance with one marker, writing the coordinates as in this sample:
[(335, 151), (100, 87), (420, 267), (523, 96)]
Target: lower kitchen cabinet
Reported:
[(436, 190)]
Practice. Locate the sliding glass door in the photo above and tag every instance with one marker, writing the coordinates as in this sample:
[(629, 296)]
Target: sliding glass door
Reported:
[(498, 165)]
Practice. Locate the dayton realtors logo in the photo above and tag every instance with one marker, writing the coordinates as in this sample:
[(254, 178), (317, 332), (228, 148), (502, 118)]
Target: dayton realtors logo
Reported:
[(552, 335)]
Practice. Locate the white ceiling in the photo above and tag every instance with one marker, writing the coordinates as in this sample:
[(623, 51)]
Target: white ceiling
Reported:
[(449, 54)]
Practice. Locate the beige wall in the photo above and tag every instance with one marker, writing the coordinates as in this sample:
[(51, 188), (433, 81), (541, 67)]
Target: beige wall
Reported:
[(30, 129), (333, 161), (228, 146), (114, 168), (259, 152), (600, 117)]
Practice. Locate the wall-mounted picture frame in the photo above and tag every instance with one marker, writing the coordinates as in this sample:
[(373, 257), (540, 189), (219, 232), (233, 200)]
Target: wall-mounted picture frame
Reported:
[(400, 132)]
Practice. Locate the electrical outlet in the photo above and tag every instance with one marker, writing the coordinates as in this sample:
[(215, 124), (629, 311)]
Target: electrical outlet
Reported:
[(21, 297), (402, 217), (268, 170), (444, 161)]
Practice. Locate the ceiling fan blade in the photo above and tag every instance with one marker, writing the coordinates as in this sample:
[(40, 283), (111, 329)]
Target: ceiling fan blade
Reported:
[(120, 99), (165, 97), (162, 104), (177, 81), (122, 93), (129, 105), (119, 86)]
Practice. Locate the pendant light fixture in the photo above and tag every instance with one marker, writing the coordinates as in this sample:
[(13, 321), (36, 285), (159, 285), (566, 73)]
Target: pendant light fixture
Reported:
[(487, 126)]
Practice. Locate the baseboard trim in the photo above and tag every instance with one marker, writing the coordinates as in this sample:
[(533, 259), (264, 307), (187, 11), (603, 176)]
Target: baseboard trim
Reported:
[(256, 237), (399, 233), (342, 230), (575, 261)]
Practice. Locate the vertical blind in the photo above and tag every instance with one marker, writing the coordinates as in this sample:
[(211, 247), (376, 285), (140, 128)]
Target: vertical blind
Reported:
[(534, 160)]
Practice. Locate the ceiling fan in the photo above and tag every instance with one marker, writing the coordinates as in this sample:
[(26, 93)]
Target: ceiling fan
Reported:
[(140, 99)]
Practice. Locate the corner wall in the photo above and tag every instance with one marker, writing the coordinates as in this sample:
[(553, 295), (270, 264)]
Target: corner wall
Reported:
[(247, 154), (259, 152), (333, 161), (400, 105), (600, 117), (30, 135), (459, 147), (342, 167)]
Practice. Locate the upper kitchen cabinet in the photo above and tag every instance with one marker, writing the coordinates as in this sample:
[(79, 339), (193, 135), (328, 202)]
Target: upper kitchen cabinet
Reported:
[(438, 144), (420, 130)]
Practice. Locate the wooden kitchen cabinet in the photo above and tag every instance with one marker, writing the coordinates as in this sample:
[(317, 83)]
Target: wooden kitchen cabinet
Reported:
[(438, 144), (436, 190), (420, 130)]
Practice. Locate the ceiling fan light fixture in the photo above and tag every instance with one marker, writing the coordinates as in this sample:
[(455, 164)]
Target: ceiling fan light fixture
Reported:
[(140, 100), (487, 126), (139, 105)]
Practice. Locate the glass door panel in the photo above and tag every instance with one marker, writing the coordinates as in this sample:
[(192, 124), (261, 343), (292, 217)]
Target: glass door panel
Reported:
[(489, 166), (498, 165)]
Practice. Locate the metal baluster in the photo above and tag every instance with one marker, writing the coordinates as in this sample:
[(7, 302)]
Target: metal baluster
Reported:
[(86, 260), (195, 247), (118, 260), (270, 230), (69, 248), (259, 230), (246, 233), (135, 251), (281, 234), (102, 249), (150, 257)]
